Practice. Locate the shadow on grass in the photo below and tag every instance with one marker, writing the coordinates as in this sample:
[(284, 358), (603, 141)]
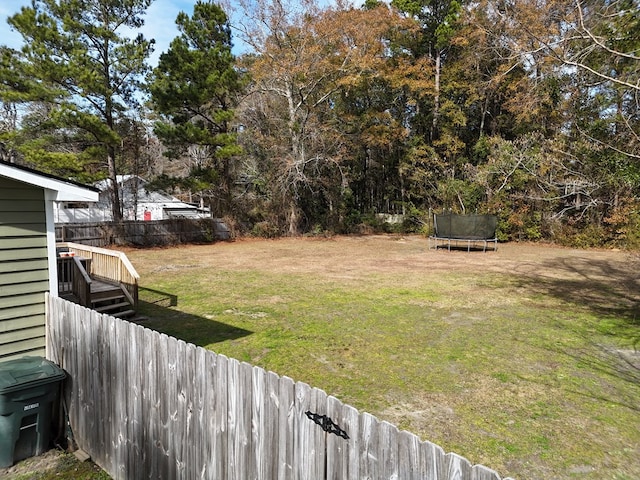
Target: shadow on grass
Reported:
[(158, 312), (617, 372), (611, 291), (605, 288)]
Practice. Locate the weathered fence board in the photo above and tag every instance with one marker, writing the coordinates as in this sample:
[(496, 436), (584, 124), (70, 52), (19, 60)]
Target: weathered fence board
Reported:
[(208, 414), (145, 405), (388, 450), (480, 472), (138, 387), (152, 393), (163, 384), (238, 436), (336, 449), (286, 431), (410, 465), (269, 435), (351, 421), (458, 468), (369, 428), (435, 460), (121, 391), (220, 417)]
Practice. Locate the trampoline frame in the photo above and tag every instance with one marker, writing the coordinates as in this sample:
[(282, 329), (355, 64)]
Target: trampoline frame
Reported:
[(436, 240)]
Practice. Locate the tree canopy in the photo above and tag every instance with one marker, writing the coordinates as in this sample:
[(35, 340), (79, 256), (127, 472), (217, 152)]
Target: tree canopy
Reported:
[(329, 116), (194, 89), (81, 75)]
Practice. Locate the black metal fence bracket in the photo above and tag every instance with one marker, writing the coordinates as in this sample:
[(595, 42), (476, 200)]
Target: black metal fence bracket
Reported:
[(327, 424)]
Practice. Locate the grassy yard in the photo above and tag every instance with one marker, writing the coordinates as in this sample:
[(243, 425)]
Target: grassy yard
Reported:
[(523, 359)]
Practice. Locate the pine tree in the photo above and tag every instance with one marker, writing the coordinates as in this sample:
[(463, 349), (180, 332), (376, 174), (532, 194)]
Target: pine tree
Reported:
[(193, 87), (87, 70)]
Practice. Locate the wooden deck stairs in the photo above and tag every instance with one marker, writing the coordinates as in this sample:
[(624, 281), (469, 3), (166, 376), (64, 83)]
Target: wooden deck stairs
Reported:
[(111, 299), (100, 279)]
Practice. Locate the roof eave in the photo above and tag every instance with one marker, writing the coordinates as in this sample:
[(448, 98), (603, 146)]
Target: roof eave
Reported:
[(60, 189)]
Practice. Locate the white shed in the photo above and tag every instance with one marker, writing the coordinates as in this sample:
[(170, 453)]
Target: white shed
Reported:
[(139, 203)]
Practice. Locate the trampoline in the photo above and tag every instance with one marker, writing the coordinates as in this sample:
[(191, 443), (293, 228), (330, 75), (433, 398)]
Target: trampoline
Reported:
[(455, 230)]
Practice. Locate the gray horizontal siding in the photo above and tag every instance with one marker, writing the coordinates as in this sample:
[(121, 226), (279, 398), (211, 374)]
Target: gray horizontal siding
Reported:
[(9, 204), (24, 274), (26, 277), (13, 218), (22, 244), (27, 252), (14, 265), (23, 230), (22, 335), (25, 288), (18, 323), (32, 346), (22, 311)]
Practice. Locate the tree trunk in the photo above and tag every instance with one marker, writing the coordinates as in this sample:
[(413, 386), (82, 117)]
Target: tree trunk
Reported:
[(436, 98), (296, 133), (116, 205), (293, 218), (483, 117)]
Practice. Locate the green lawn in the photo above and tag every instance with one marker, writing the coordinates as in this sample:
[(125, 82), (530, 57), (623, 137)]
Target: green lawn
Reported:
[(522, 360)]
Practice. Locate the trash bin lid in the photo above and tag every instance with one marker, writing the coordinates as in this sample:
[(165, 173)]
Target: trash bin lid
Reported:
[(28, 372)]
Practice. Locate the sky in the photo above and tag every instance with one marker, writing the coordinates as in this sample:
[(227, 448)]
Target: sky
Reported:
[(159, 23)]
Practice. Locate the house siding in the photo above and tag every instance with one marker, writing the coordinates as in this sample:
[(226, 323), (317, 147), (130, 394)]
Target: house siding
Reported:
[(24, 275)]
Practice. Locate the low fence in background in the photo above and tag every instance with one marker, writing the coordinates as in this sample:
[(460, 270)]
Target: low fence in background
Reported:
[(145, 405), (144, 233)]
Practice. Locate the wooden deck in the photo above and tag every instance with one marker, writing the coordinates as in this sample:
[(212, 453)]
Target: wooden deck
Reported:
[(106, 297), (100, 279), (99, 287)]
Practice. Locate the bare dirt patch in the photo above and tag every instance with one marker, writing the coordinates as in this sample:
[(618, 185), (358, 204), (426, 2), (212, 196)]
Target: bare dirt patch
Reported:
[(389, 253), (47, 461)]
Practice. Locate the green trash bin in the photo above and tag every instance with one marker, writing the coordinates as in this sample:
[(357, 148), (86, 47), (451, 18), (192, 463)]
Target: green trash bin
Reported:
[(29, 387)]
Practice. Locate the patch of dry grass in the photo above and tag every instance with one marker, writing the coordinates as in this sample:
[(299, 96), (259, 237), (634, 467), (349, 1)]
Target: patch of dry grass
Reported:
[(51, 465)]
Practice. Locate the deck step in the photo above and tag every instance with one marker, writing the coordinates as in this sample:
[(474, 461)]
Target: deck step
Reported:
[(111, 306), (123, 314), (70, 297), (111, 298)]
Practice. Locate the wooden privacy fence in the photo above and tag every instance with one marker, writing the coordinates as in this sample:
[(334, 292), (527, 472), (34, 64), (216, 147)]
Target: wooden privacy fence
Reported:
[(155, 232), (145, 405)]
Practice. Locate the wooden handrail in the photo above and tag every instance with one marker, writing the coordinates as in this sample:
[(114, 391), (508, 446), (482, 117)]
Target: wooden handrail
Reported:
[(81, 270), (74, 279), (88, 251), (81, 282), (125, 291)]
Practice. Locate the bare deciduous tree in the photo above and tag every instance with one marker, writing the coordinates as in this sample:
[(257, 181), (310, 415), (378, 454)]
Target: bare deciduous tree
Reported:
[(302, 58)]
